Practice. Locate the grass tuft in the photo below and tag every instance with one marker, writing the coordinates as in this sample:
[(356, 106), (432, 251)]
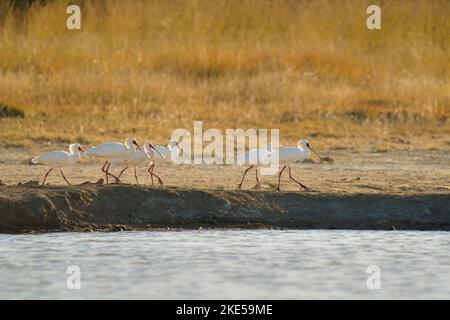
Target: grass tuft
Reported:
[(10, 112)]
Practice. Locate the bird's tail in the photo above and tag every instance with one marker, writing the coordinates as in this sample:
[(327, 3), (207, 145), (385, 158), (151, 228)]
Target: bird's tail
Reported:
[(35, 160)]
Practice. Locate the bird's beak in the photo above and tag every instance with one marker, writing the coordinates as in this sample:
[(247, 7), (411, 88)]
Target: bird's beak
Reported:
[(314, 151), (181, 149), (80, 149), (151, 146), (137, 145)]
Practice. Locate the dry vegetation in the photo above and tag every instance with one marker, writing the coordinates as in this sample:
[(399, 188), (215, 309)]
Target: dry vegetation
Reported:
[(310, 68)]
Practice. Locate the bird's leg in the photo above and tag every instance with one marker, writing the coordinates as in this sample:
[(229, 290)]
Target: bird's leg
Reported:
[(257, 179), (45, 176), (157, 177), (135, 176), (110, 174), (239, 185), (279, 177), (150, 172), (104, 170), (302, 186), (64, 177), (121, 172)]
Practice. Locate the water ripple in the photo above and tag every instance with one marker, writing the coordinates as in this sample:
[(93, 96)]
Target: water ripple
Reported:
[(209, 264)]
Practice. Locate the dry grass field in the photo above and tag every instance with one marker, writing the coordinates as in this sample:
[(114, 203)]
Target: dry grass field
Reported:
[(310, 68)]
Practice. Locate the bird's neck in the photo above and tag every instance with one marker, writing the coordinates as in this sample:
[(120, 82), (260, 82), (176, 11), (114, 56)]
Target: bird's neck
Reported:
[(75, 154), (303, 148)]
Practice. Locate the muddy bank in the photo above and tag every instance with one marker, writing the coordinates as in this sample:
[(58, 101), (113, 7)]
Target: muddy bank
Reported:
[(124, 207)]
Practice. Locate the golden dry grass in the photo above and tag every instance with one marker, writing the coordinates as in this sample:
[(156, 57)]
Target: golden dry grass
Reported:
[(309, 68)]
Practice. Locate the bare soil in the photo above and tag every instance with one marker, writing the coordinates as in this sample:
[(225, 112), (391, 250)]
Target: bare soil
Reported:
[(374, 191)]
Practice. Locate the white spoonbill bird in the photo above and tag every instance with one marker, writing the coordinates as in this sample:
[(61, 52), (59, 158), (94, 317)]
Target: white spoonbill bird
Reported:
[(254, 158), (59, 159), (111, 151), (288, 155), (164, 154), (139, 157), (155, 155)]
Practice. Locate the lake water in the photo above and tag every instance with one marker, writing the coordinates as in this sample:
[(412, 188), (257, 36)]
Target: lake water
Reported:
[(244, 264)]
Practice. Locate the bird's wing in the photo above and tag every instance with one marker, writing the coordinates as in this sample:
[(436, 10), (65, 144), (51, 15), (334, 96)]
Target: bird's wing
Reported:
[(119, 161), (289, 154), (164, 151), (250, 157), (107, 150), (139, 157), (52, 157)]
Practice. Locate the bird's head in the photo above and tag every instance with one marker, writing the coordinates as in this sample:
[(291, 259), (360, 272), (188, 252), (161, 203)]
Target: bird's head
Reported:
[(146, 146), (150, 149), (75, 147), (136, 144), (176, 144), (305, 144), (132, 142)]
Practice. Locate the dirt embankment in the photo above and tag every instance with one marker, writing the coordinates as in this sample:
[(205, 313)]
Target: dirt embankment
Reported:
[(124, 207)]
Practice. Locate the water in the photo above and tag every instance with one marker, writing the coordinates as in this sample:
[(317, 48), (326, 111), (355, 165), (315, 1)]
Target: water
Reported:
[(255, 264)]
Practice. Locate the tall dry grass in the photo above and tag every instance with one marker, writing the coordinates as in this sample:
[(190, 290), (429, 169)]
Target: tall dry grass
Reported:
[(144, 68)]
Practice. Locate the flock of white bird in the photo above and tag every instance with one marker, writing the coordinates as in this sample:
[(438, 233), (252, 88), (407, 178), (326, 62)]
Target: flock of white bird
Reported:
[(131, 154)]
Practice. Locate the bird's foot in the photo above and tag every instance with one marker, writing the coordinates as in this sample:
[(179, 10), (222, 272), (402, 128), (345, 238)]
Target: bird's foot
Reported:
[(238, 186), (160, 182), (116, 179), (303, 187)]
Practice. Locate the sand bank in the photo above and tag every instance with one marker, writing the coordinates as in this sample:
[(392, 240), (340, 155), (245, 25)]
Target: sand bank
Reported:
[(33, 208)]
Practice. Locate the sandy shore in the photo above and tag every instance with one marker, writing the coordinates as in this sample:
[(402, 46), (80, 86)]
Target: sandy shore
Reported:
[(373, 191), (124, 207)]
